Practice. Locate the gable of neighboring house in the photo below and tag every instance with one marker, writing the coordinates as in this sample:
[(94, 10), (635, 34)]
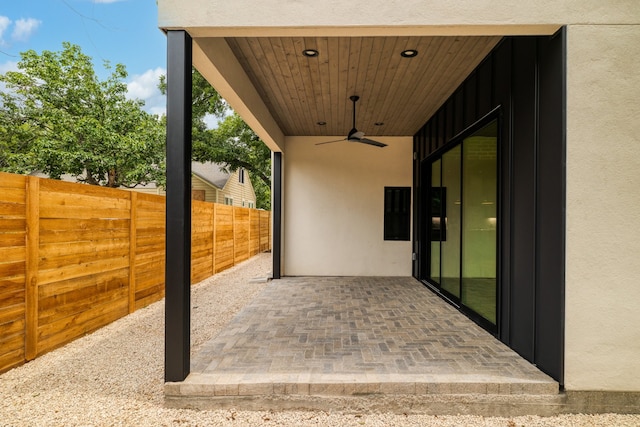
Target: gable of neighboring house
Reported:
[(210, 183), (217, 186)]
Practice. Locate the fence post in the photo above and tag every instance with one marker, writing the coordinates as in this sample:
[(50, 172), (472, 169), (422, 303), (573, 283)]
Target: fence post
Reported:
[(133, 235), (213, 237), (31, 277)]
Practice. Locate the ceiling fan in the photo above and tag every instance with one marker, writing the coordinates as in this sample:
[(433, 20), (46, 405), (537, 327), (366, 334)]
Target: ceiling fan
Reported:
[(354, 134)]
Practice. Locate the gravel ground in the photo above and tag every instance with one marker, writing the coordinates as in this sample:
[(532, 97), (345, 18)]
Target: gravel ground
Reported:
[(114, 377)]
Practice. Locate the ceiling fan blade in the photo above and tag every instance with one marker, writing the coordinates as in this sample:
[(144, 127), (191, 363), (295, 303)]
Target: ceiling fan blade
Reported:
[(355, 135), (371, 142), (330, 142)]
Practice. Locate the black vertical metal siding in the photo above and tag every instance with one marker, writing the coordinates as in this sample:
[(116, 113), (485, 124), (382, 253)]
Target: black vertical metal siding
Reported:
[(470, 101), (485, 102), (523, 222), (449, 119), (458, 104), (524, 76), (551, 206)]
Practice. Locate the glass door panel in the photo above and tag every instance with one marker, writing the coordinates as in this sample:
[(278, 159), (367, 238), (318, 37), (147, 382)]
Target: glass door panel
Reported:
[(436, 214), (479, 213), (450, 242)]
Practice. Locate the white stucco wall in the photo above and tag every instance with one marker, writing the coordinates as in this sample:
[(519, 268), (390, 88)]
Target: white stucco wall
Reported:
[(333, 204), (603, 208)]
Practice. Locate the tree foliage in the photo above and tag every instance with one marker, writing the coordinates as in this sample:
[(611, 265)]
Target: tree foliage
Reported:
[(235, 145), (232, 143), (58, 118)]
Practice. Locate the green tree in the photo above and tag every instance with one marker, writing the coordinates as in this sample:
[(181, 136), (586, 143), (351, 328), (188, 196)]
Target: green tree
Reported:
[(57, 117), (232, 144)]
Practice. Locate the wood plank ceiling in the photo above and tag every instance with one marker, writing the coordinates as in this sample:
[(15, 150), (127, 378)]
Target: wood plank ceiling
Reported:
[(402, 93)]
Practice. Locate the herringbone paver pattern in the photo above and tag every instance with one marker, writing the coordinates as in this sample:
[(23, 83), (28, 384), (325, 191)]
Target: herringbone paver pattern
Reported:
[(350, 335)]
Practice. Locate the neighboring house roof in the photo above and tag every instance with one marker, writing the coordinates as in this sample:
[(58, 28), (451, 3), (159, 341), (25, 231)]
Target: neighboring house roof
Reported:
[(212, 173)]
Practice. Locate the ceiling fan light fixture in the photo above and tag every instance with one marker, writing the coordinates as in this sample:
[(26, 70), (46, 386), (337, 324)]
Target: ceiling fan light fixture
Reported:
[(409, 53), (310, 53)]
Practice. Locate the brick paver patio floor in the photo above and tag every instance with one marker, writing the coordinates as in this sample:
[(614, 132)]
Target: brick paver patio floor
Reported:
[(352, 336)]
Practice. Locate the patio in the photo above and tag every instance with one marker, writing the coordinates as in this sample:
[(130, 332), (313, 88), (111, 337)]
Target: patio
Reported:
[(360, 342)]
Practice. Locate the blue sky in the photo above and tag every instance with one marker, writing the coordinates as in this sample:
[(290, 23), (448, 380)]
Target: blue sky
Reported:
[(120, 31)]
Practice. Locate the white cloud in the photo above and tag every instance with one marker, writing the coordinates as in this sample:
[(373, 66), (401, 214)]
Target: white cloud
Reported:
[(4, 24), (145, 87), (24, 28), (8, 66)]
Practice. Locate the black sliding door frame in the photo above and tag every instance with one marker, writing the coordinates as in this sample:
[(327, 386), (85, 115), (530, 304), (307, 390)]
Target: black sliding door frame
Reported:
[(425, 197)]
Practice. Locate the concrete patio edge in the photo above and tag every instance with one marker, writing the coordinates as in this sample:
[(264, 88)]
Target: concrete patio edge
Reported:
[(588, 402)]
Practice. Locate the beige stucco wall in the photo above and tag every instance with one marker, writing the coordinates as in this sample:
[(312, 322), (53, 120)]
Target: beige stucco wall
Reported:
[(603, 208), (333, 204), (454, 17)]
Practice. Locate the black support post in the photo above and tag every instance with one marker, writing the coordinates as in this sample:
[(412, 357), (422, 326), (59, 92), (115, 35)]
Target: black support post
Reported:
[(178, 225), (277, 213)]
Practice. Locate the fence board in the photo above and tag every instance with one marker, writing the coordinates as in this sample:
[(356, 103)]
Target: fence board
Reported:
[(12, 181), (84, 269), (11, 313), (224, 248), (8, 225), (12, 294), (254, 232), (73, 199), (12, 269), (13, 254), (66, 286), (241, 234), (75, 257), (201, 240), (150, 249), (53, 186), (12, 239), (66, 330), (79, 300), (79, 235)]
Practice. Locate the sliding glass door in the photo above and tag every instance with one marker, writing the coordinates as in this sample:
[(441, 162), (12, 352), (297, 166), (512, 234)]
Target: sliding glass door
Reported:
[(462, 206)]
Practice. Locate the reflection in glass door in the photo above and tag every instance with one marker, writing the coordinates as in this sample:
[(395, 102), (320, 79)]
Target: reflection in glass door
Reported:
[(437, 215), (450, 248), (463, 229), (479, 235)]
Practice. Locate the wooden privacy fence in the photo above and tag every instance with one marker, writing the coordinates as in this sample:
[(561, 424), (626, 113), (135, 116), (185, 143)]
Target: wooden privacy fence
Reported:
[(75, 257)]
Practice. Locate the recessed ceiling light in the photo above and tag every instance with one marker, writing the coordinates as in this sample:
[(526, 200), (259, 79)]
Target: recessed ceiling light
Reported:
[(321, 123), (379, 123), (310, 53), (409, 53)]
